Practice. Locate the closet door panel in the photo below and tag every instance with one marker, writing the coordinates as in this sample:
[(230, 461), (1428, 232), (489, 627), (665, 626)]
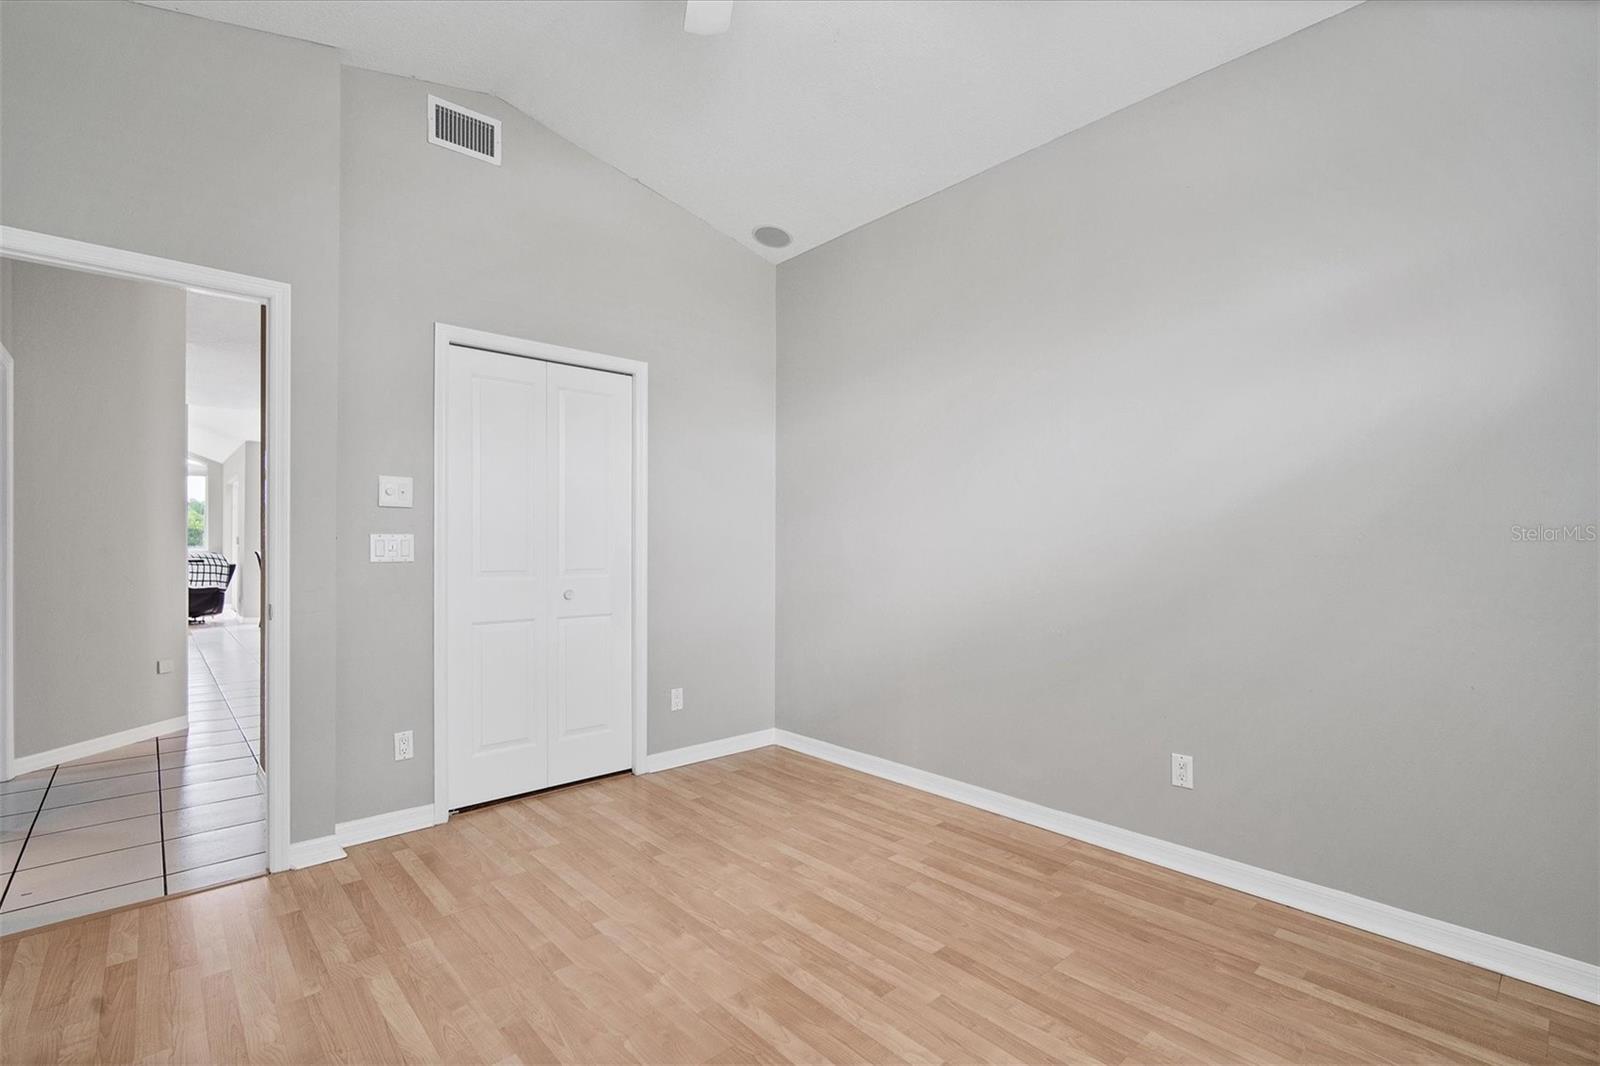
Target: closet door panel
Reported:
[(590, 529), (498, 601)]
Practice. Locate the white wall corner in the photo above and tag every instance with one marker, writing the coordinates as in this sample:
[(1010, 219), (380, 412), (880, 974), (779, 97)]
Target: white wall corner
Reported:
[(1537, 966)]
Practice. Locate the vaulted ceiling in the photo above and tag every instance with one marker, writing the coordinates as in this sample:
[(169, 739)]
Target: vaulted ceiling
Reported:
[(815, 116)]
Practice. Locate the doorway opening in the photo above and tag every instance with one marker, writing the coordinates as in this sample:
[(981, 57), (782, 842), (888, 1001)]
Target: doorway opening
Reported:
[(225, 353), (144, 700)]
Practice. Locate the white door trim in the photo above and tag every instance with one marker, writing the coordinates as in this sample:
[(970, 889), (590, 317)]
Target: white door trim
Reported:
[(8, 439), (49, 250), (443, 337)]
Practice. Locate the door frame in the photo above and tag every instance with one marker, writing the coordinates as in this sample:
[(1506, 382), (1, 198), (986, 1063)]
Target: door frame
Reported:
[(445, 335), (8, 440), (49, 250)]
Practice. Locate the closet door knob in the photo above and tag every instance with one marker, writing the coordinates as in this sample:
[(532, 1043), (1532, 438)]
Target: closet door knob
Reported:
[(567, 595)]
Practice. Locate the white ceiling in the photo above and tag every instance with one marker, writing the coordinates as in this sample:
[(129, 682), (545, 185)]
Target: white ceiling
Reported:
[(813, 115), (222, 374)]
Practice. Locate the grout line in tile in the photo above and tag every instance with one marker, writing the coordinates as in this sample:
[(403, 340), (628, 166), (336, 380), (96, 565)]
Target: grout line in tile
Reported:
[(27, 837), (108, 777), (91, 855), (161, 819), (215, 828), (75, 895), (220, 884), (93, 825), (98, 799), (213, 780)]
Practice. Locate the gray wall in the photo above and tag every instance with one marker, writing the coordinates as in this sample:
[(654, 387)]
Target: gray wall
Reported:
[(101, 583), (244, 465), (552, 246), (1204, 429), (215, 145)]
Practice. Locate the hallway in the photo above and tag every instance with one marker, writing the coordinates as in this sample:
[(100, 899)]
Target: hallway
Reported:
[(160, 817)]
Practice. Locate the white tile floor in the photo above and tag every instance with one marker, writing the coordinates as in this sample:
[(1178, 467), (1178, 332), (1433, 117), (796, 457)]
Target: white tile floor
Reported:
[(169, 815)]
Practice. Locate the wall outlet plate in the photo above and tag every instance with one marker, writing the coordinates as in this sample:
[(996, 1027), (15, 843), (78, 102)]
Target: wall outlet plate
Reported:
[(394, 491), (165, 666), (1182, 770), (393, 548), (677, 699), (402, 746)]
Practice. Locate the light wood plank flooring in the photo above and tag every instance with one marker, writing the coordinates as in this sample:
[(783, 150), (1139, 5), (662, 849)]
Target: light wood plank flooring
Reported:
[(761, 908)]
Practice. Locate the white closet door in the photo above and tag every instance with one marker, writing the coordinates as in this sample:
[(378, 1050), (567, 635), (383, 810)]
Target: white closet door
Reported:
[(538, 574), (591, 537), (498, 594)]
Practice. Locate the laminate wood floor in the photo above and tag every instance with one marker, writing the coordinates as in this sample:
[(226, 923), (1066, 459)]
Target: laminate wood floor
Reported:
[(765, 907)]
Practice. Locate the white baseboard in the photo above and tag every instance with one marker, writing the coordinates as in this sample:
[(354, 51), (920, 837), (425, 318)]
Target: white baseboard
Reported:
[(318, 850), (711, 749), (314, 852), (26, 764), (393, 823), (1534, 965)]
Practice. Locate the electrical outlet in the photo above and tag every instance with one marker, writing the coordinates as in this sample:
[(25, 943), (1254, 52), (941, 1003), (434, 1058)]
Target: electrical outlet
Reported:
[(1182, 771), (402, 746), (677, 699)]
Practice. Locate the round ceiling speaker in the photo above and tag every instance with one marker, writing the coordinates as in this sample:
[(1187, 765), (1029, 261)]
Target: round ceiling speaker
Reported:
[(771, 237)]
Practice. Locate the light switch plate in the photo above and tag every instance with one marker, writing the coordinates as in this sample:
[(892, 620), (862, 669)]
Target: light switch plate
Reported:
[(393, 548), (394, 491)]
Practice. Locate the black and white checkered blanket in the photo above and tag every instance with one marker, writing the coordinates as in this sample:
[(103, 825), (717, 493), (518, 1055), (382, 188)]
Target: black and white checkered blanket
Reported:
[(209, 570)]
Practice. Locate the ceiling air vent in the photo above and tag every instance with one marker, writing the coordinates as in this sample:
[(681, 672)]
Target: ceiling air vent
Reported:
[(460, 130)]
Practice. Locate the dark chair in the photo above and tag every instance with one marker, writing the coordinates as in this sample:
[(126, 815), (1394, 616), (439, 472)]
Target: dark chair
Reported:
[(209, 576)]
